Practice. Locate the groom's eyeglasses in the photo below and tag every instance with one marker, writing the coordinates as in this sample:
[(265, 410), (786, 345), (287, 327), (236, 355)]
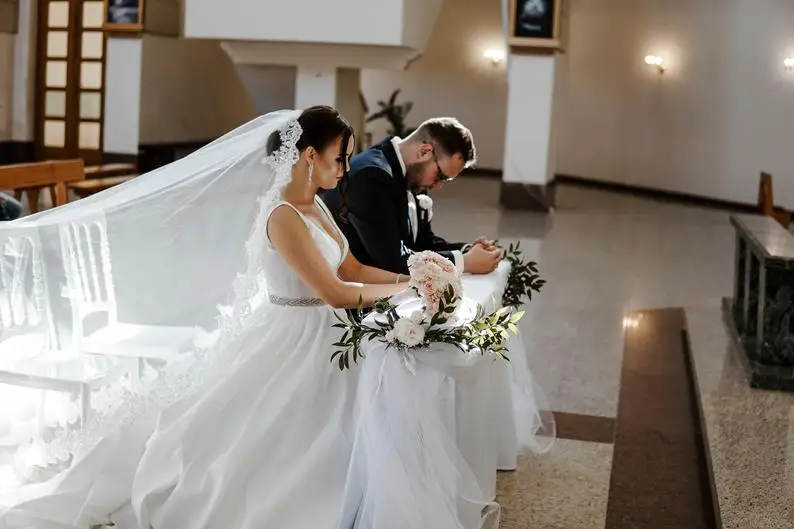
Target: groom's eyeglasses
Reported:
[(441, 177)]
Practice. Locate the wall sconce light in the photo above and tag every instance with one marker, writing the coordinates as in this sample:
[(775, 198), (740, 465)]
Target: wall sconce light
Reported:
[(788, 63), (632, 322), (495, 56), (656, 62)]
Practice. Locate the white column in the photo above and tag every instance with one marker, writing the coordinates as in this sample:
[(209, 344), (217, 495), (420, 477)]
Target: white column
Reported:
[(6, 84), (123, 95), (315, 86), (337, 87), (529, 156), (348, 102), (23, 87)]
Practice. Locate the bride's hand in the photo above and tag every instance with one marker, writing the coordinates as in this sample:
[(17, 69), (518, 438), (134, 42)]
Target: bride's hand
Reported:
[(407, 294)]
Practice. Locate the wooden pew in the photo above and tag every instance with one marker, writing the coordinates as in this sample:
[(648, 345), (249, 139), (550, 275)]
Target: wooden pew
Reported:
[(101, 177), (89, 186), (30, 178), (110, 169), (766, 202)]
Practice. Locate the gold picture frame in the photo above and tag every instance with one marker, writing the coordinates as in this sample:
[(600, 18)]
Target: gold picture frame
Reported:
[(546, 32), (124, 16)]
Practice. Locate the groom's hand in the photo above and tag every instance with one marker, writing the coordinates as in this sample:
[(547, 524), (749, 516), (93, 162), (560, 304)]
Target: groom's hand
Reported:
[(478, 260), (485, 242)]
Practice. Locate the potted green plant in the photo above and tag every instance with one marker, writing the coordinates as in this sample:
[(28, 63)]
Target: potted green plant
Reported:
[(394, 113)]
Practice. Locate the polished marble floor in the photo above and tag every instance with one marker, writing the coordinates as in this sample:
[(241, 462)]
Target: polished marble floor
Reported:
[(603, 254)]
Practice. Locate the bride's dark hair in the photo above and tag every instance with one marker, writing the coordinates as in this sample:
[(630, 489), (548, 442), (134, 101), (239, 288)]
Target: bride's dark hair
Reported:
[(321, 125)]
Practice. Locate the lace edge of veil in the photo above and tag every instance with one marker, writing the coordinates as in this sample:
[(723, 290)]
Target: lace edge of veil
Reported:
[(118, 406)]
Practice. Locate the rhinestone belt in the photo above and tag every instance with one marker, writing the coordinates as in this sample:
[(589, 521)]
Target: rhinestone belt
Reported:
[(295, 302)]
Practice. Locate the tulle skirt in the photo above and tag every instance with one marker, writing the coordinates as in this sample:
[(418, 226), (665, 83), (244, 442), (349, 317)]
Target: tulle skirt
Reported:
[(279, 437), (265, 443)]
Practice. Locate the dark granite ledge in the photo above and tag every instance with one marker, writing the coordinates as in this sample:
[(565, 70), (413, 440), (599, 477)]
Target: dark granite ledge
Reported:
[(768, 239)]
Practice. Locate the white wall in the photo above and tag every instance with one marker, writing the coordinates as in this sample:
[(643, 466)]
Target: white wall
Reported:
[(419, 18), (452, 78), (339, 21), (268, 87), (190, 91), (720, 114), (169, 90)]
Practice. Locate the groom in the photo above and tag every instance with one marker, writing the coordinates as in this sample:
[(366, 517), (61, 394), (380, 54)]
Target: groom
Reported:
[(383, 208)]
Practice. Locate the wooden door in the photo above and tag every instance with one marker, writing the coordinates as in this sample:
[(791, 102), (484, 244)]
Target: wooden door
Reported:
[(70, 80)]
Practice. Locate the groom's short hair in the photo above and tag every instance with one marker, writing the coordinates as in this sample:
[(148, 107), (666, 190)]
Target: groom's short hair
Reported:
[(451, 137)]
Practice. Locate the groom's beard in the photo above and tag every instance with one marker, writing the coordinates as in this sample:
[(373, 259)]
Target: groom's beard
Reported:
[(413, 172)]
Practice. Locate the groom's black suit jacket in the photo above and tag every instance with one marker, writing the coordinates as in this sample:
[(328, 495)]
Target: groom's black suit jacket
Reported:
[(377, 224)]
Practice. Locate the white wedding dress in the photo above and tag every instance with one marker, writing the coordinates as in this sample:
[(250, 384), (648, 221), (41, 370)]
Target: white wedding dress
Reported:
[(268, 445), (279, 438), (255, 428)]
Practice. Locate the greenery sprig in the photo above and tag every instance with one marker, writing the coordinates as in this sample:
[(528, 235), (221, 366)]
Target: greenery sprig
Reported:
[(524, 278), (486, 333)]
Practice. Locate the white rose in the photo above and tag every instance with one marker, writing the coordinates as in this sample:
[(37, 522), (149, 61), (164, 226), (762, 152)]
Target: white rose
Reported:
[(416, 317), (426, 203), (409, 333)]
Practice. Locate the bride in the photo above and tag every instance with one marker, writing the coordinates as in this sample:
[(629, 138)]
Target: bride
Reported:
[(266, 433)]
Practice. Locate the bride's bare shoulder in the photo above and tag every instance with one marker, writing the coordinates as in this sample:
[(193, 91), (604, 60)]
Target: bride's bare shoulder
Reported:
[(284, 222)]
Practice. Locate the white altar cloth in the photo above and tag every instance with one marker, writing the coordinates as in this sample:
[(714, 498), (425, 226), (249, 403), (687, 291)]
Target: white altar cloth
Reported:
[(475, 398)]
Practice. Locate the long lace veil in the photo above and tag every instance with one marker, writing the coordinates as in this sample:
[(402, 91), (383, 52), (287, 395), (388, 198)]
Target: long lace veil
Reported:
[(165, 266)]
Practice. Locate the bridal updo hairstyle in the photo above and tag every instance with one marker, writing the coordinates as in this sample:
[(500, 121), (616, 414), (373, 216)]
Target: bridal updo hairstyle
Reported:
[(321, 126)]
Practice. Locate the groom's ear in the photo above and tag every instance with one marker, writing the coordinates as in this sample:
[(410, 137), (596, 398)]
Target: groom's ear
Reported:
[(425, 152)]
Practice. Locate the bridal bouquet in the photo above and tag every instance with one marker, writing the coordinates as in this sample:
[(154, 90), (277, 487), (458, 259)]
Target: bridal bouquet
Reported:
[(437, 283)]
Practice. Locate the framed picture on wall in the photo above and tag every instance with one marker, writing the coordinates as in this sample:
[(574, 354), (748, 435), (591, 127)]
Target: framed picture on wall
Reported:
[(535, 23), (124, 15)]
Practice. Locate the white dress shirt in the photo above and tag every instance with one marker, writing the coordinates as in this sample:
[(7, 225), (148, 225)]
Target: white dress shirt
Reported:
[(413, 215)]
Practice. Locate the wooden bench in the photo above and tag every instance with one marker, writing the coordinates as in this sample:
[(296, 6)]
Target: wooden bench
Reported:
[(31, 178), (110, 169), (760, 316), (89, 186), (766, 202)]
